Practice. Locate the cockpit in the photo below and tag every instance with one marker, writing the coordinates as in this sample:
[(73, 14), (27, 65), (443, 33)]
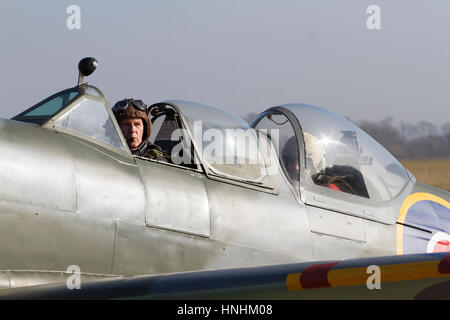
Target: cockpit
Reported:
[(320, 148), (226, 145), (196, 136)]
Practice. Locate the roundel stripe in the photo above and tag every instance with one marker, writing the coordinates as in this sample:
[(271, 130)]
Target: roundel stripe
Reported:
[(421, 208)]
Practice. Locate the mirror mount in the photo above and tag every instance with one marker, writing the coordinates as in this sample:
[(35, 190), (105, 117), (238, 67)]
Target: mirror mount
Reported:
[(86, 67)]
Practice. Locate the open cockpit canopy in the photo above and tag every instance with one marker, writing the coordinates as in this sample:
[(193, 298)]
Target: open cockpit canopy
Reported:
[(225, 144)]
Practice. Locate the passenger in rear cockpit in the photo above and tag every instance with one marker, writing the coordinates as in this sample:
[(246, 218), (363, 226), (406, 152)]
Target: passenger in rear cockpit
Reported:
[(314, 152), (315, 166), (136, 127)]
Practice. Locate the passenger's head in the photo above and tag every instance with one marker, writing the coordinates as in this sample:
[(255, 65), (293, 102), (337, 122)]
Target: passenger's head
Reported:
[(133, 121), (314, 150)]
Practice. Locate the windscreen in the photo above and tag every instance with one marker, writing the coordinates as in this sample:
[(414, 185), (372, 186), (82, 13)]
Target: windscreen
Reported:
[(91, 119), (46, 109)]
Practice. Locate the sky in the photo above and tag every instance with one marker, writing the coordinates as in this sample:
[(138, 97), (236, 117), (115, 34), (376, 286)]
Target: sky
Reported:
[(242, 56)]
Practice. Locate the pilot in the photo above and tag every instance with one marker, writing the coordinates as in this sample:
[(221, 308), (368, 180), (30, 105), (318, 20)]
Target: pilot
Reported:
[(136, 127)]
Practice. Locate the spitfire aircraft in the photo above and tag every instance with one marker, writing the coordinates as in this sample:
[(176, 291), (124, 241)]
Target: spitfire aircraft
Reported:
[(299, 184)]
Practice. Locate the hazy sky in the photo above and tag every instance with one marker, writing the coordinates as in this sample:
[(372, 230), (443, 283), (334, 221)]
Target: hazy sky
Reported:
[(243, 56)]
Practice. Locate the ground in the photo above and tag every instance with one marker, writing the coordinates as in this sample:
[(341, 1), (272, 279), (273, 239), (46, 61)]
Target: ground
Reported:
[(434, 172)]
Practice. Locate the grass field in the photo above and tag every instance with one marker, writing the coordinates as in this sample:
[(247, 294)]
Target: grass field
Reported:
[(434, 172)]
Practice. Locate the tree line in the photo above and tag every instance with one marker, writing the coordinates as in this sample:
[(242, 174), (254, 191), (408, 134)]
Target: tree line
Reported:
[(410, 141)]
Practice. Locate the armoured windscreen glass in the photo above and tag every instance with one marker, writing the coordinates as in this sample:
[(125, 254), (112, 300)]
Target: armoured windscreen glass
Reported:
[(46, 109), (91, 119)]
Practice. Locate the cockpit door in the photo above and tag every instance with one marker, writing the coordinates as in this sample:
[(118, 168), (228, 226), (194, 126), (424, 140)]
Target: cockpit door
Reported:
[(175, 192), (176, 198)]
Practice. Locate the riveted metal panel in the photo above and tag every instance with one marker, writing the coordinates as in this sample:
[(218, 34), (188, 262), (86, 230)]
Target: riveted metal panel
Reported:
[(336, 224), (331, 247), (35, 168), (251, 218), (176, 198), (108, 183), (22, 278), (4, 279), (37, 238), (381, 238), (148, 250)]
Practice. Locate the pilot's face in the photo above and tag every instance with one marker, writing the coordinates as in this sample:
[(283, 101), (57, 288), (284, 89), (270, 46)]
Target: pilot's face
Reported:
[(132, 129)]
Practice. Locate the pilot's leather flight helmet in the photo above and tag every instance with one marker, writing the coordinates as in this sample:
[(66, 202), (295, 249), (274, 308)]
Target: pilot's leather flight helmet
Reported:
[(131, 108)]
